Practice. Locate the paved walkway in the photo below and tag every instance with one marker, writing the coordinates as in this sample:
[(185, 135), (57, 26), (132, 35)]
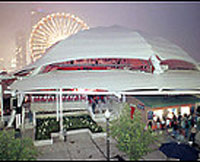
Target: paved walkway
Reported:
[(77, 147), (82, 147)]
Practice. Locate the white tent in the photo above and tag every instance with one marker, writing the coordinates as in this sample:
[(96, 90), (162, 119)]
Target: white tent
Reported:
[(111, 42), (111, 80)]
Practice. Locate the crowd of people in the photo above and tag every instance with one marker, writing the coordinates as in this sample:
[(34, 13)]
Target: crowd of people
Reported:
[(182, 126), (95, 100)]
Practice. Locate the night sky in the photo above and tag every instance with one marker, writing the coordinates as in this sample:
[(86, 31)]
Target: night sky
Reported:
[(179, 22)]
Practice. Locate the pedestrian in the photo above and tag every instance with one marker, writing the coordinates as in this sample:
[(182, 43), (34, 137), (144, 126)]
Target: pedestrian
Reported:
[(179, 118), (193, 119), (163, 123), (175, 130), (154, 126), (183, 122), (193, 133), (174, 118), (102, 99), (190, 120), (150, 124), (198, 122), (186, 128), (168, 124), (93, 107), (158, 123)]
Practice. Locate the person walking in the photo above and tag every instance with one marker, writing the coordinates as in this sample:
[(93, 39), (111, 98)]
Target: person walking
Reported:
[(175, 130), (174, 118), (182, 124), (158, 123), (186, 128), (189, 120), (150, 124), (179, 119), (168, 124), (154, 126), (193, 133), (193, 119), (163, 123), (93, 107)]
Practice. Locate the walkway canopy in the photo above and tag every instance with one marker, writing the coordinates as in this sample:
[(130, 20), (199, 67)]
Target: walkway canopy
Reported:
[(119, 81), (112, 42)]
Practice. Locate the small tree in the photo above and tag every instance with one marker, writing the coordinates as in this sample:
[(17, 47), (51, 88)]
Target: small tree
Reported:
[(130, 134), (16, 149)]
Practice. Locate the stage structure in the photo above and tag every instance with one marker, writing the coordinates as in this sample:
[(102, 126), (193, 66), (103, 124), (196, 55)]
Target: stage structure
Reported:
[(109, 61)]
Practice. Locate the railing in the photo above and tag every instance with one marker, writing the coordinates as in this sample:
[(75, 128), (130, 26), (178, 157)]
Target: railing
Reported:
[(51, 106)]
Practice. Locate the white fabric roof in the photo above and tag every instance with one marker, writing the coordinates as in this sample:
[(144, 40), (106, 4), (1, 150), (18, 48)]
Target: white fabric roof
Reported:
[(4, 77), (115, 42), (111, 80)]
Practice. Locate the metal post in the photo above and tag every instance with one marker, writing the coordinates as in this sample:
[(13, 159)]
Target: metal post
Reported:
[(108, 139), (57, 107), (23, 116), (34, 118), (11, 103), (123, 98), (61, 112)]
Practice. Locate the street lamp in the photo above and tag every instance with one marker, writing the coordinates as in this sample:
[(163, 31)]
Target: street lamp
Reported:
[(107, 115)]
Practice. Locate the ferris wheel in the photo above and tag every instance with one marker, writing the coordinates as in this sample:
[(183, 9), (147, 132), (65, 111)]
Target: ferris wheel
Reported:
[(51, 29)]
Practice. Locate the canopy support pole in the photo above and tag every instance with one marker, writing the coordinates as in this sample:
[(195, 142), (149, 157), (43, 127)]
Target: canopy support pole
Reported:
[(61, 112), (1, 103), (57, 107), (124, 98), (23, 117)]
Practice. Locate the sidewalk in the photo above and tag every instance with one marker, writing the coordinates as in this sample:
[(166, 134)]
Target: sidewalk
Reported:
[(78, 147), (166, 138), (82, 147), (156, 154)]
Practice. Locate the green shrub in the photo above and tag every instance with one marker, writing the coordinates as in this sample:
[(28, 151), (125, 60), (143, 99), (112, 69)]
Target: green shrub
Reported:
[(130, 134), (45, 127), (48, 125), (16, 149)]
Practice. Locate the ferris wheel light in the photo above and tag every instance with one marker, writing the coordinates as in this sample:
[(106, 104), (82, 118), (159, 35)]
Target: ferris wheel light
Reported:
[(72, 16)]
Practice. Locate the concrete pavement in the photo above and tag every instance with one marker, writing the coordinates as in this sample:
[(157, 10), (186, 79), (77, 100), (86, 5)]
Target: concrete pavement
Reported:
[(82, 147), (78, 147)]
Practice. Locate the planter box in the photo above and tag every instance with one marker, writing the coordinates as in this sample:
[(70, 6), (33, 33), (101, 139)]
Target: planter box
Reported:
[(86, 130), (78, 131), (97, 135), (53, 135), (78, 127), (92, 135), (43, 142)]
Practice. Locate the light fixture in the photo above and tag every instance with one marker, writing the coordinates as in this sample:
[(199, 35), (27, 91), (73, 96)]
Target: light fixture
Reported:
[(107, 114)]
